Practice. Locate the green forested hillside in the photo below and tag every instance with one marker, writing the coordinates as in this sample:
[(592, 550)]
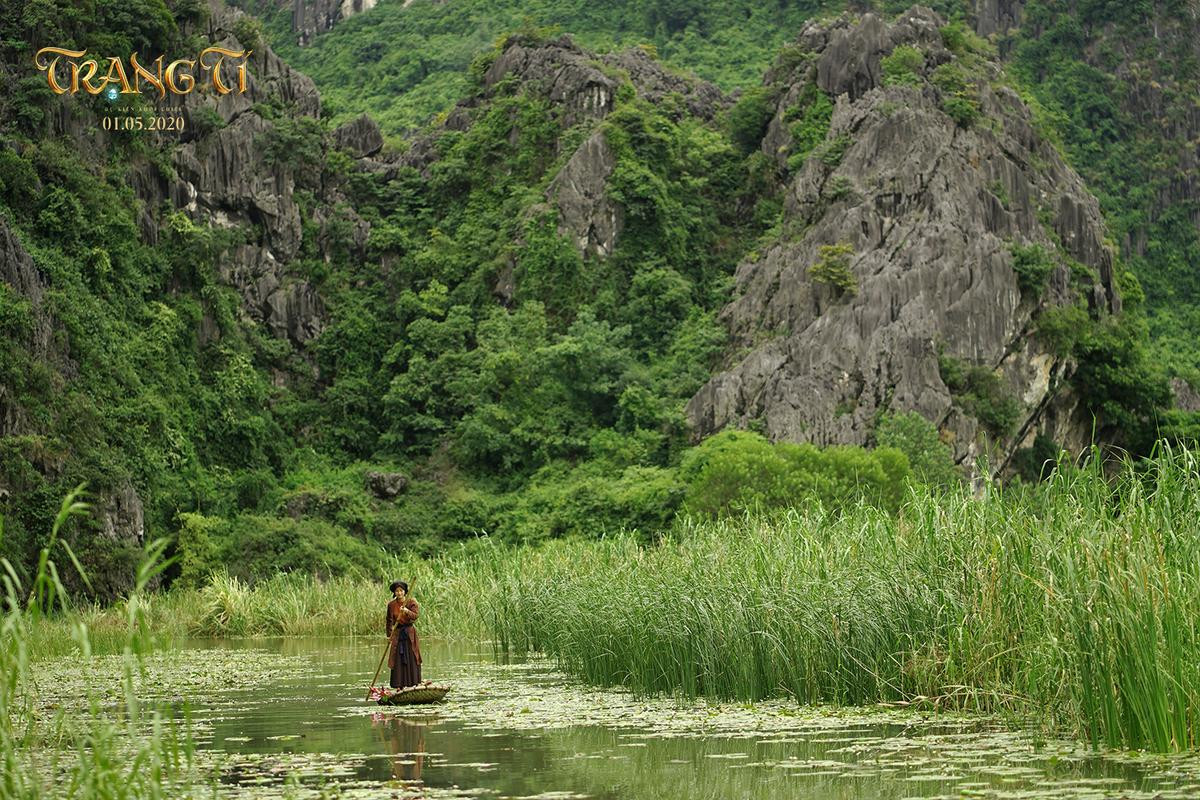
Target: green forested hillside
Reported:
[(1118, 81), (465, 343), (405, 62), (555, 410), (1121, 82), (118, 393)]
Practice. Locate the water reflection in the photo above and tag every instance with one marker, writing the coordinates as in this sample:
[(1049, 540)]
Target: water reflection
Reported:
[(522, 732), (405, 741)]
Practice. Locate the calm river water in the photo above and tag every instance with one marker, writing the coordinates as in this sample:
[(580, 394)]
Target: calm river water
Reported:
[(524, 731)]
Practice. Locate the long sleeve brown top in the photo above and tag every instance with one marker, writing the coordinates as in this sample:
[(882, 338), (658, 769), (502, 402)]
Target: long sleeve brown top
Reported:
[(402, 613)]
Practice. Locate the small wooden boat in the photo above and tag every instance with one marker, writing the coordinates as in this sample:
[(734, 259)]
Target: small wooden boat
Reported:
[(409, 695)]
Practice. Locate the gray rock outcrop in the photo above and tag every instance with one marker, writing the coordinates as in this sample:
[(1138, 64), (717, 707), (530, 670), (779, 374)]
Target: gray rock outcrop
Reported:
[(579, 192), (313, 17), (997, 16), (361, 136), (291, 309), (226, 174), (850, 53), (584, 85), (121, 516), (1140, 54), (654, 83), (561, 72), (234, 183), (386, 485), (927, 213), (1184, 395), (22, 275)]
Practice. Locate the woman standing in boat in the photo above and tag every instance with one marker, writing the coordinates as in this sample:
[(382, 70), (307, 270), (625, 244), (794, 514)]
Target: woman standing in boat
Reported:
[(404, 655)]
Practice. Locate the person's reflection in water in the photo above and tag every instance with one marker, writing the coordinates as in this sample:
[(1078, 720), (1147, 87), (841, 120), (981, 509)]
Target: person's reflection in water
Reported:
[(405, 740)]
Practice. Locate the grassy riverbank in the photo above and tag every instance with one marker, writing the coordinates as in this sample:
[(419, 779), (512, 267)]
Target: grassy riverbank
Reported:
[(82, 749), (1072, 604), (454, 590)]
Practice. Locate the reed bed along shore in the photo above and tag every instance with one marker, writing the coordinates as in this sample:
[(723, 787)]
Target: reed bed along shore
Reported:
[(453, 590), (84, 750), (1071, 604)]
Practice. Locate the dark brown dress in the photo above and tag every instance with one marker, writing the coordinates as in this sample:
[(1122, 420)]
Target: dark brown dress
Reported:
[(404, 657)]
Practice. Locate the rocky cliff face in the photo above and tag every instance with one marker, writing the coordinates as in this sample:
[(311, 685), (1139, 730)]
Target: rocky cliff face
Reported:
[(917, 217), (18, 271), (118, 510), (220, 172), (312, 17), (910, 205), (227, 173), (582, 87), (1122, 79), (927, 210)]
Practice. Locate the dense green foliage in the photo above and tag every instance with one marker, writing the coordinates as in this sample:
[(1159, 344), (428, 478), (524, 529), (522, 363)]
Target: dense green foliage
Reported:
[(1033, 265), (930, 458), (1067, 69), (1060, 328), (1119, 91), (737, 471), (550, 412), (749, 117), (1038, 461), (407, 61), (982, 393), (808, 124), (144, 405), (903, 66), (832, 268), (555, 410), (959, 99)]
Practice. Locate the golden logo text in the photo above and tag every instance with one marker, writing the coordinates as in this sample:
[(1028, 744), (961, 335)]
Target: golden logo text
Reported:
[(178, 77)]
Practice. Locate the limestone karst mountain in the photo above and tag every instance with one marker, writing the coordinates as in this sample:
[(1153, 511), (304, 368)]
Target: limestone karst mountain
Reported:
[(929, 218), (528, 310)]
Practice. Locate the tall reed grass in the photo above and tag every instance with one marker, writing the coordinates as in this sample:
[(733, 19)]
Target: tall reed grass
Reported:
[(447, 588), (1074, 604), (81, 752), (453, 590)]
